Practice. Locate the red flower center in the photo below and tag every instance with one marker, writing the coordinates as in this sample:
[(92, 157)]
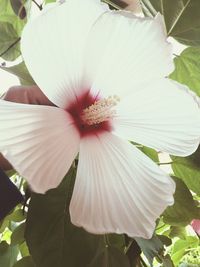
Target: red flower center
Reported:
[(89, 115)]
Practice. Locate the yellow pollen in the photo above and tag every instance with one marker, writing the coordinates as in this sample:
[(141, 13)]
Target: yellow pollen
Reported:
[(102, 110)]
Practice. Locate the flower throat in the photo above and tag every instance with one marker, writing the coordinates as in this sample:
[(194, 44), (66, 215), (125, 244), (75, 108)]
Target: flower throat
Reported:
[(93, 115)]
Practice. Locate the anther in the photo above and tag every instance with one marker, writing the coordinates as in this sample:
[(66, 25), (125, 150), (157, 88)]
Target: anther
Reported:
[(102, 110)]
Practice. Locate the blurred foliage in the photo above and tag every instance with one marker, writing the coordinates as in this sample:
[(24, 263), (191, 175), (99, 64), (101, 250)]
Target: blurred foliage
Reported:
[(8, 14), (9, 42), (44, 223), (179, 214), (181, 18), (188, 169)]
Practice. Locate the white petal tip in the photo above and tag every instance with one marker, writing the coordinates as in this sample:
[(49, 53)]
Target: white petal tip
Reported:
[(102, 231)]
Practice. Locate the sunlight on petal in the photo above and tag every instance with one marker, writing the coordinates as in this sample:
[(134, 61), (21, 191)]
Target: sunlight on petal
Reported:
[(118, 189)]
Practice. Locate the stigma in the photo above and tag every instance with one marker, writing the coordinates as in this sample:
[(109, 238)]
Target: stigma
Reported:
[(100, 111)]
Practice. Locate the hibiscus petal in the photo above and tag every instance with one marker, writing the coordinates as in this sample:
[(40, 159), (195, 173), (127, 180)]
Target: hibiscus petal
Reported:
[(124, 50), (161, 115), (39, 141), (118, 189), (52, 47)]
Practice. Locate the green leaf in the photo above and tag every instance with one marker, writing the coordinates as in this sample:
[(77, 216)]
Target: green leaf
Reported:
[(9, 42), (181, 247), (132, 251), (151, 153), (21, 72), (184, 208), (3, 224), (188, 68), (193, 257), (165, 240), (188, 265), (51, 238), (17, 216), (49, 1), (181, 18), (25, 262), (8, 254), (116, 240), (177, 231), (24, 249), (150, 247), (110, 257), (17, 236), (188, 170), (8, 15), (166, 261)]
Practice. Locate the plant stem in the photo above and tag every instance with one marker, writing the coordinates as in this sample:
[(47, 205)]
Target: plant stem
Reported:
[(127, 247), (106, 240), (11, 46), (165, 163), (176, 55), (160, 227), (149, 7), (39, 6), (21, 183), (143, 262), (109, 2)]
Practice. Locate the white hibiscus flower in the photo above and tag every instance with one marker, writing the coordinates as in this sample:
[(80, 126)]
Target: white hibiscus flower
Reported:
[(105, 71)]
